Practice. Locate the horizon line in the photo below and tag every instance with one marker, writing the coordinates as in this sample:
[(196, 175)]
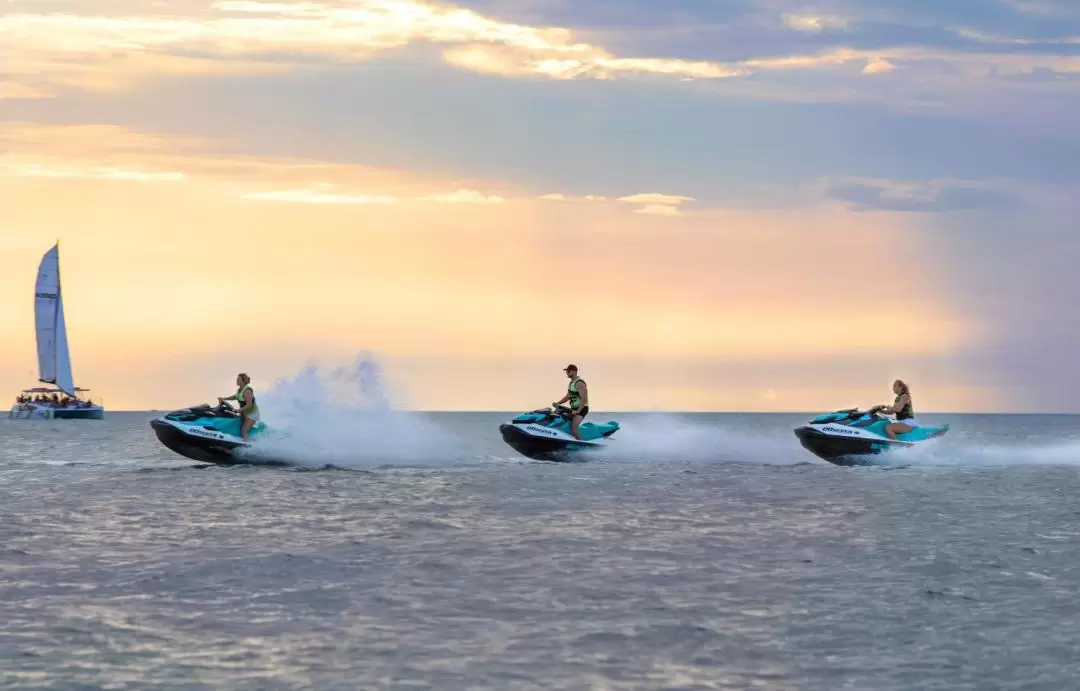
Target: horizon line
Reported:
[(652, 412)]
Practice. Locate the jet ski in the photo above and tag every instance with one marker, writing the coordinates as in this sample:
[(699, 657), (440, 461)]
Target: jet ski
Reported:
[(544, 434), (207, 434), (850, 437)]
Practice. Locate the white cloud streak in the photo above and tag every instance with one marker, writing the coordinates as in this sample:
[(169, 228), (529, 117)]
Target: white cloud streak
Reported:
[(465, 197), (813, 23), (305, 196), (654, 198), (74, 172), (321, 195)]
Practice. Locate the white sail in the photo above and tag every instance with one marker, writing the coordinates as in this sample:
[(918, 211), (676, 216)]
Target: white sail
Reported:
[(54, 360)]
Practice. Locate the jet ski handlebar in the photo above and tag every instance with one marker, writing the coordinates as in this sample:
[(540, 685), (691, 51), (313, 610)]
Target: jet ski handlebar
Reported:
[(224, 406)]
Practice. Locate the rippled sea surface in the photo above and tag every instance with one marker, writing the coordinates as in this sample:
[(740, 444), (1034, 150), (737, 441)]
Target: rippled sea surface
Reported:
[(710, 552)]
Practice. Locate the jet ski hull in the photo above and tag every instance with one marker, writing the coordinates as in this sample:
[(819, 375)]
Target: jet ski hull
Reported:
[(209, 435), (190, 444), (851, 438), (838, 450), (537, 448), (544, 435)]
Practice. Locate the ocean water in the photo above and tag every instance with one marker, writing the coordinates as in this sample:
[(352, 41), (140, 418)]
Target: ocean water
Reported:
[(700, 552)]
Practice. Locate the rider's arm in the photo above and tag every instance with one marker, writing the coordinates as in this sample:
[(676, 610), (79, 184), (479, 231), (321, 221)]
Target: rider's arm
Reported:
[(898, 406), (583, 391), (562, 400), (227, 398)]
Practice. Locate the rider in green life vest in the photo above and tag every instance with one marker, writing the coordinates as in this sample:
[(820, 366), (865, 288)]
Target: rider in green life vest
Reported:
[(577, 394), (901, 408), (245, 397)]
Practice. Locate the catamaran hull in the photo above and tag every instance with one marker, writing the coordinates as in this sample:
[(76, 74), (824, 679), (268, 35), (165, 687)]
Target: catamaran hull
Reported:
[(79, 414), (25, 412), (198, 445)]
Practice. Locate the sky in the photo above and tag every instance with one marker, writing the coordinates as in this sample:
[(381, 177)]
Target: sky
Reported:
[(753, 205)]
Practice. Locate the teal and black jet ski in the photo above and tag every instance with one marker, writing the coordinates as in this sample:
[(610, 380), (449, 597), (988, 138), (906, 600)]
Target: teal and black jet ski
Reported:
[(207, 434), (544, 435), (851, 437)]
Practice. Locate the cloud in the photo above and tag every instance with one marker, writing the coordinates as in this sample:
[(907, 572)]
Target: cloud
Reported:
[(322, 195), (106, 51), (559, 197), (657, 204), (302, 196), (658, 210), (44, 53), (929, 196), (653, 198), (812, 23), (652, 203), (586, 62), (878, 66), (465, 197), (36, 170)]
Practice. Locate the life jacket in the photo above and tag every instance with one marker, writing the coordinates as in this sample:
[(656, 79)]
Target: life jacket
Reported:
[(907, 412), (572, 391), (240, 396)]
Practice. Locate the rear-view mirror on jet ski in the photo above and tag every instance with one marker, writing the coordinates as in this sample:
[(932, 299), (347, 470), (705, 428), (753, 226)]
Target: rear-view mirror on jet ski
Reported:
[(206, 433), (853, 437), (544, 435)]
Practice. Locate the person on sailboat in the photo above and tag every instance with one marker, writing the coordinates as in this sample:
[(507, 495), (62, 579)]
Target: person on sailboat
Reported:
[(245, 397)]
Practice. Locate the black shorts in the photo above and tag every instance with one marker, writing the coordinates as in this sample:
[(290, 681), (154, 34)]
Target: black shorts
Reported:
[(582, 414)]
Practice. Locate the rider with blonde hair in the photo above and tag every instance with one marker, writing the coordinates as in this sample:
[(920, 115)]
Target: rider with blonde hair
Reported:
[(245, 397), (901, 408)]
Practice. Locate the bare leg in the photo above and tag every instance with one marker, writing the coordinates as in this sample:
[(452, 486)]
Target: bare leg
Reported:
[(246, 427), (897, 428), (574, 424)]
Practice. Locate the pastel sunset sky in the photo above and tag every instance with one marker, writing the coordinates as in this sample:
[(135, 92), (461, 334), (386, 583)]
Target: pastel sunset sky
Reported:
[(706, 204)]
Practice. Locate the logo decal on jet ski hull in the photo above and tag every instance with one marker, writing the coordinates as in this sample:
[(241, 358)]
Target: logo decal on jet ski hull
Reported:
[(199, 432), (536, 429)]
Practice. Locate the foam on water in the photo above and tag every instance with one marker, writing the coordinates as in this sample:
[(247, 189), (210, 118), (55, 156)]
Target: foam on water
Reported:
[(968, 452), (671, 438), (343, 416)]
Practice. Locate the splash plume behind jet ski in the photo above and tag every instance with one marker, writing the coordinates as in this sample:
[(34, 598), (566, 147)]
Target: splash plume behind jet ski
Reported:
[(851, 437), (544, 435), (207, 434)]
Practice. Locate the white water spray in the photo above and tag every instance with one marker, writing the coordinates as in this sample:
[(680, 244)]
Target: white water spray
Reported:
[(667, 437), (343, 416)]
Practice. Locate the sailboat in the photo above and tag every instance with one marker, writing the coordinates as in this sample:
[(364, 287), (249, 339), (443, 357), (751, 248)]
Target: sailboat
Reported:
[(61, 400)]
